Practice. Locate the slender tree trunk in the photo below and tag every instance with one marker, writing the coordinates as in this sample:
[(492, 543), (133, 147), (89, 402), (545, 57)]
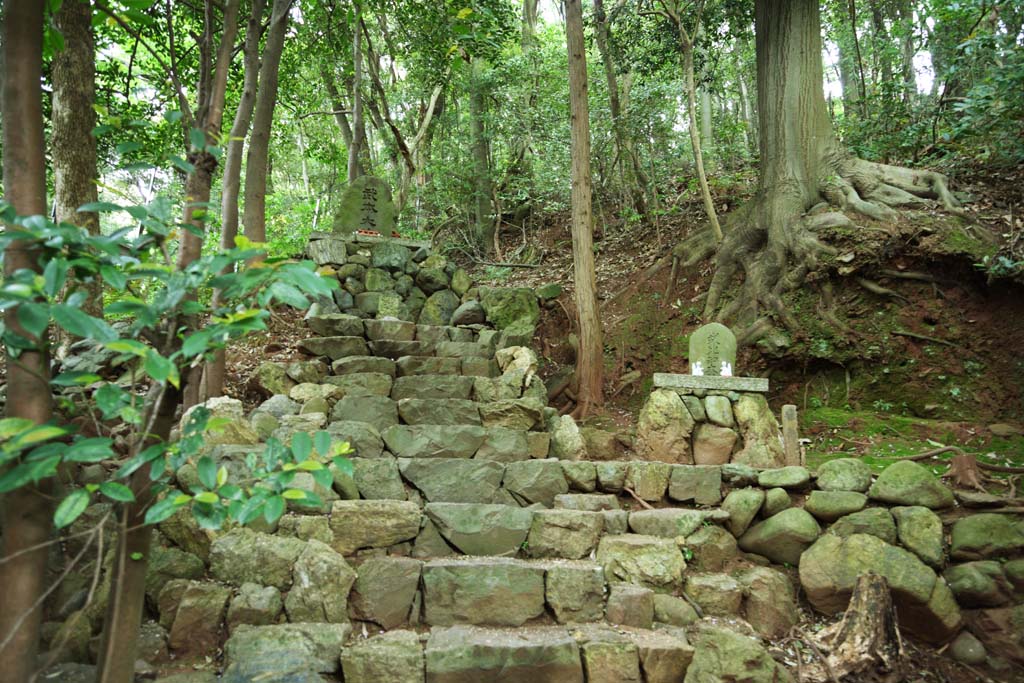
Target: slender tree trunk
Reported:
[(905, 16), (634, 178), (255, 217), (590, 357), (861, 81), (359, 132), (232, 180), (698, 157), (72, 120), (26, 511), (706, 130), (484, 224)]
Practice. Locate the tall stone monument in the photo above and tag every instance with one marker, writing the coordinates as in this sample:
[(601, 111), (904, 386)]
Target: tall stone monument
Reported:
[(365, 205)]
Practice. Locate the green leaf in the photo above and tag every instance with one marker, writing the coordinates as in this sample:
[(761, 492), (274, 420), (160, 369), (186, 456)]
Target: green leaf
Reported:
[(71, 508), (323, 478), (344, 465), (222, 476), (81, 324), (322, 442), (196, 343), (197, 138), (181, 164), (164, 508), (54, 276), (11, 426), (273, 509), (22, 474), (130, 346), (293, 494), (90, 450), (35, 318), (310, 465), (99, 207), (208, 497), (117, 491), (207, 470), (127, 147), (288, 294), (161, 369), (38, 434), (109, 399), (302, 446), (172, 116), (114, 277), (74, 379)]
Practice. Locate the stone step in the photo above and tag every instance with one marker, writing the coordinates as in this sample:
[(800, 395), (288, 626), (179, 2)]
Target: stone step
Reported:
[(340, 324)]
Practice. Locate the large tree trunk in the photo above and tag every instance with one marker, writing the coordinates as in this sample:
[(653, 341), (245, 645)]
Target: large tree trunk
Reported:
[(634, 178), (802, 164), (26, 511), (590, 357), (255, 217), (73, 118), (484, 227), (232, 181)]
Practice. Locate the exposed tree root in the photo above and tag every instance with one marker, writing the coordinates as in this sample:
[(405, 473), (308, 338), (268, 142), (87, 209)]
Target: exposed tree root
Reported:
[(776, 244)]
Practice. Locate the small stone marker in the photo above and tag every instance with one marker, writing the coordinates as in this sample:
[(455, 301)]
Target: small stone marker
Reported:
[(366, 205), (712, 351), (791, 435)]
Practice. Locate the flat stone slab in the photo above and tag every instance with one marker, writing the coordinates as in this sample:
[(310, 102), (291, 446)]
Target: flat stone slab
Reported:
[(465, 654), (482, 591), (668, 380)]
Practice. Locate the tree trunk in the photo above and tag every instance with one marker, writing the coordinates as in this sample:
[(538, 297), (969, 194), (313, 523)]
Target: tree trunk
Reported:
[(484, 228), (634, 178), (26, 511), (590, 357), (802, 163), (359, 128), (905, 16), (232, 180), (859, 60), (73, 118), (686, 44), (255, 217)]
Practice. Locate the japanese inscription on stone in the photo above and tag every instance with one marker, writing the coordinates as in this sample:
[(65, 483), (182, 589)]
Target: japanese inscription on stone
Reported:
[(366, 205), (713, 351)]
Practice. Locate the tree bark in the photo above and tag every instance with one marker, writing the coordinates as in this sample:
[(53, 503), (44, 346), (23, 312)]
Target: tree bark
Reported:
[(590, 357), (484, 227), (72, 121), (232, 180), (359, 127), (24, 512), (255, 216)]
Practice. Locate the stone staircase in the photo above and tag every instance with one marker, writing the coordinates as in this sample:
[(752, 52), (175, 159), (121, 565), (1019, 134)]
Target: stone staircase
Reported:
[(470, 543)]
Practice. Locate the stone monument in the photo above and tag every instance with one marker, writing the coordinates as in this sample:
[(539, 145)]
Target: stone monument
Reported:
[(710, 417), (365, 205)]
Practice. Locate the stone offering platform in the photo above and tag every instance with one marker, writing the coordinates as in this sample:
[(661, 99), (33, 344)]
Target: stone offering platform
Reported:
[(690, 383)]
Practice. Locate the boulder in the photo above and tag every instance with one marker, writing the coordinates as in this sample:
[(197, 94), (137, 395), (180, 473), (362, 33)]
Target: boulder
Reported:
[(334, 325), (432, 386), (469, 313), (701, 483), (255, 605), (535, 481), (920, 531), (321, 580), (782, 538), (395, 657), (775, 501), (985, 535), (644, 560), (482, 591), (434, 441), (335, 347), (481, 529), (377, 479), (979, 584), (909, 483), (769, 601), (712, 444), (648, 480), (630, 606), (831, 505), (246, 556), (359, 524), (877, 522), (664, 658), (844, 474), (791, 477), (363, 437), (464, 654), (762, 439), (278, 651), (712, 549), (673, 611), (667, 522), (724, 655), (718, 410), (663, 428), (505, 445), (829, 571), (438, 411), (439, 308), (389, 256), (566, 440), (199, 618), (514, 309), (718, 595), (385, 591), (569, 534), (453, 480), (742, 506), (575, 591)]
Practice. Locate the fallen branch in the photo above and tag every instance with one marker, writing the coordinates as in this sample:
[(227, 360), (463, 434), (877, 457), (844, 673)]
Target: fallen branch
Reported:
[(506, 265), (637, 498), (922, 337)]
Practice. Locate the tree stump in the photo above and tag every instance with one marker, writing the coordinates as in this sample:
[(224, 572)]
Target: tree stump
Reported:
[(865, 644)]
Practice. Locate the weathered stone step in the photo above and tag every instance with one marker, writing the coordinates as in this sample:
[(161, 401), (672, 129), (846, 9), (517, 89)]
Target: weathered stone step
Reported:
[(340, 324)]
